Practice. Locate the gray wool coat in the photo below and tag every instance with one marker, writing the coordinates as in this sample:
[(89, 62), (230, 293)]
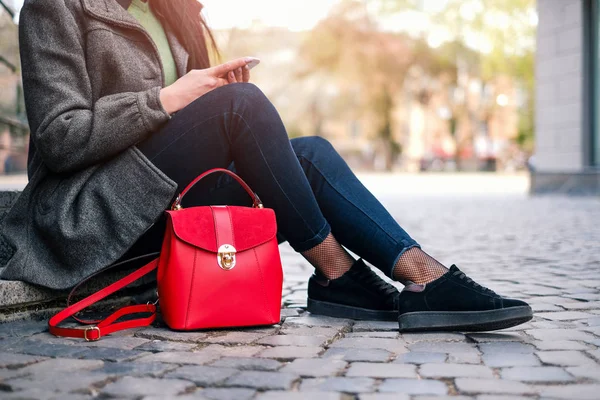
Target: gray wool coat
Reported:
[(91, 77)]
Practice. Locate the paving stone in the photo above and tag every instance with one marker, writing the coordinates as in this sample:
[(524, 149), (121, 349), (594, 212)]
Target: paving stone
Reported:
[(294, 340), (414, 386), (583, 305), (38, 348), (74, 381), (22, 328), (11, 360), (227, 393), (108, 354), (469, 385), (368, 326), (579, 392), (234, 337), (588, 371), (197, 395), (393, 345), (498, 360), (560, 334), (155, 346), (486, 337), (425, 397), (559, 345), (312, 320), (444, 347), (232, 351), (300, 330), (131, 386), (369, 355), (290, 352), (57, 365), (179, 357), (595, 354), (202, 375), (378, 370), (314, 367), (42, 394), (117, 342), (463, 358), (338, 384), (136, 369), (536, 374), (455, 371), (385, 396), (501, 397), (278, 395), (506, 347), (262, 380), (167, 334), (290, 312), (6, 374), (373, 334), (432, 337), (418, 357), (564, 315), (252, 364), (564, 358)]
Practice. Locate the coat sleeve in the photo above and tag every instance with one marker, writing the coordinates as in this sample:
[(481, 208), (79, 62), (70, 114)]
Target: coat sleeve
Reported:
[(71, 131)]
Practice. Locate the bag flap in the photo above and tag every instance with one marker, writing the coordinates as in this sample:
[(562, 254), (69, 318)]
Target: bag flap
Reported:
[(251, 226)]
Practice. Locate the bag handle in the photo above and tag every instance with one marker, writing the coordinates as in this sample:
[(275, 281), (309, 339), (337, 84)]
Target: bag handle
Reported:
[(256, 203), (99, 328)]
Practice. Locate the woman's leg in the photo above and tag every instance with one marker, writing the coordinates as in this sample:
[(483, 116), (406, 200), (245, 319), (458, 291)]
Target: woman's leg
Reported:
[(358, 220), (441, 299), (238, 123)]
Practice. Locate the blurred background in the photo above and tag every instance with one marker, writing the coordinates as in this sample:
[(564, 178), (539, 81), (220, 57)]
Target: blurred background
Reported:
[(405, 85)]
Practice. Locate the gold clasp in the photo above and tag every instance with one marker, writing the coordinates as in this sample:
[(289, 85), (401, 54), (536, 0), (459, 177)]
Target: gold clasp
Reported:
[(226, 257)]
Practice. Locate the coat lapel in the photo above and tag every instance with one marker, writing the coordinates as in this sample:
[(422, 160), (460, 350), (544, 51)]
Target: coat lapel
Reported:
[(111, 11), (180, 54)]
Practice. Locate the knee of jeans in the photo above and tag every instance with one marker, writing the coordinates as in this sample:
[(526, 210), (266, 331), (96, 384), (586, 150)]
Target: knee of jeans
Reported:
[(312, 147), (246, 94)]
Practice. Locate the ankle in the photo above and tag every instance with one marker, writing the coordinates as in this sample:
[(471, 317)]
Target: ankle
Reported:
[(418, 267)]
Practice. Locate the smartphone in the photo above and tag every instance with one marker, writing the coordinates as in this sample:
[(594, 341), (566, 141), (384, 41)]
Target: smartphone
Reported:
[(255, 61)]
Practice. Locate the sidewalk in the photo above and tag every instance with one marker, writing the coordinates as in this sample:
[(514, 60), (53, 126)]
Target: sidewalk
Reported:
[(543, 250)]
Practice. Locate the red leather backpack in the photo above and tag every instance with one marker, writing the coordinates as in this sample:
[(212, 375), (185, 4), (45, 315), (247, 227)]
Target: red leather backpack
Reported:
[(219, 267)]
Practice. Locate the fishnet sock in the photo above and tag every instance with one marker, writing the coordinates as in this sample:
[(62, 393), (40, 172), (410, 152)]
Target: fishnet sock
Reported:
[(329, 257), (417, 266)]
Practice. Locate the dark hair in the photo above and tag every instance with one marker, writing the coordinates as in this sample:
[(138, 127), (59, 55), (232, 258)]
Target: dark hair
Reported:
[(184, 19)]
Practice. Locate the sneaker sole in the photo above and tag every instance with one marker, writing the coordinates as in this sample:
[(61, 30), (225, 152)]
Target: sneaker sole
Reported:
[(349, 312), (471, 321)]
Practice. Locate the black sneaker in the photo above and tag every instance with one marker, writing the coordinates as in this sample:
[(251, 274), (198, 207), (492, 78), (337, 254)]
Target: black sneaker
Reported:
[(454, 302), (358, 294)]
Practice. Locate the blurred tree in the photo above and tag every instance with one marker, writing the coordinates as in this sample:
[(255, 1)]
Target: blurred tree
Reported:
[(367, 66), (501, 35)]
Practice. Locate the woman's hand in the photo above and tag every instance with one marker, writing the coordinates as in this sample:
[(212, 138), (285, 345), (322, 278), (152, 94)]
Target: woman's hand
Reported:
[(198, 82), (239, 75)]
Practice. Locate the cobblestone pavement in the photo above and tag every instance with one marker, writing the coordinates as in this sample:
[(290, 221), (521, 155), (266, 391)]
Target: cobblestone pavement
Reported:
[(543, 250)]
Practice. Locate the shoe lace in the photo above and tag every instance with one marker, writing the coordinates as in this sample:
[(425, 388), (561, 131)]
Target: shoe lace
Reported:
[(463, 276), (370, 279)]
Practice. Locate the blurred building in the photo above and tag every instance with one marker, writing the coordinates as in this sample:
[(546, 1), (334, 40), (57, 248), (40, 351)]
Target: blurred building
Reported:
[(567, 155)]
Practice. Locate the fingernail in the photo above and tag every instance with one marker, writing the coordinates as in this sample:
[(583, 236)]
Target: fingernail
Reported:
[(248, 59), (247, 68)]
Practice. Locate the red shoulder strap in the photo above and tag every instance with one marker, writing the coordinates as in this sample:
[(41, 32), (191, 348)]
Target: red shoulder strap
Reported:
[(107, 325)]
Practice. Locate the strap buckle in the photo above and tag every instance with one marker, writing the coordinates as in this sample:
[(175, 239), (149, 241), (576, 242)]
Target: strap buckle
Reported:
[(91, 328)]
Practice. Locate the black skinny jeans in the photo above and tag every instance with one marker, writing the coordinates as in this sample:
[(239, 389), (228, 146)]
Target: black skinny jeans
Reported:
[(306, 182)]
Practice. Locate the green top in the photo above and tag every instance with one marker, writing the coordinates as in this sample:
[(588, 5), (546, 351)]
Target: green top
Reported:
[(141, 12)]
